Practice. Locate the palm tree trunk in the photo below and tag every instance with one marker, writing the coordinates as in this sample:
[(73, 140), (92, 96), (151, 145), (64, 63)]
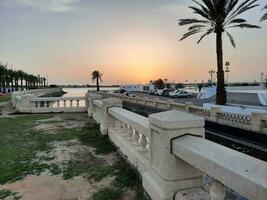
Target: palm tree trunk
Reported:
[(0, 84), (12, 85), (4, 84), (221, 93), (97, 84), (21, 84)]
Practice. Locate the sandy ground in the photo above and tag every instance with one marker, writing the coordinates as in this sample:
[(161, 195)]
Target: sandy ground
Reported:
[(53, 187)]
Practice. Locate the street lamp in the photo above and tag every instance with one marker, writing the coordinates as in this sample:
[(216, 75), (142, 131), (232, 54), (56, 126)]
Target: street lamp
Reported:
[(227, 64), (211, 72), (262, 74)]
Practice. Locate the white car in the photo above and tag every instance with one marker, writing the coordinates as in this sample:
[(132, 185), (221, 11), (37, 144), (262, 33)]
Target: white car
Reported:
[(174, 93), (182, 93)]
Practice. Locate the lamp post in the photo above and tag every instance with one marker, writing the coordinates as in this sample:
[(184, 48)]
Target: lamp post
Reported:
[(211, 72), (227, 64), (262, 74)]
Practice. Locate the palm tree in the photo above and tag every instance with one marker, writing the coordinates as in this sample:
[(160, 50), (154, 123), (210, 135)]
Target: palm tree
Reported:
[(264, 17), (97, 76), (216, 17), (44, 81)]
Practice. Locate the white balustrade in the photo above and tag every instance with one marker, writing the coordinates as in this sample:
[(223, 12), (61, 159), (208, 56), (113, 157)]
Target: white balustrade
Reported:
[(231, 119), (58, 104), (171, 156)]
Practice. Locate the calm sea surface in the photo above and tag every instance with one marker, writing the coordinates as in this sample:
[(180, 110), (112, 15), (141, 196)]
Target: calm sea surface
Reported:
[(77, 92)]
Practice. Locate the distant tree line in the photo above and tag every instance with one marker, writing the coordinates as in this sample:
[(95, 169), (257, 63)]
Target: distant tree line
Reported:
[(160, 84), (13, 80)]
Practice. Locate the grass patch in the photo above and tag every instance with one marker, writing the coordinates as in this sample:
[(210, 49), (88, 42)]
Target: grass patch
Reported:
[(20, 148), (101, 143), (7, 193), (107, 194), (5, 98)]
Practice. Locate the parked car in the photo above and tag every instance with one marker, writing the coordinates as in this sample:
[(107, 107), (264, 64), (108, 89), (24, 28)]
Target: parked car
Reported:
[(164, 92), (174, 93), (183, 93), (128, 94)]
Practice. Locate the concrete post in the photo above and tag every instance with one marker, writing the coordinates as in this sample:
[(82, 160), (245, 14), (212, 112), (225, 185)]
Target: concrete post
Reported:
[(91, 98), (87, 100), (25, 105), (168, 172), (213, 113), (107, 120), (256, 123), (187, 106)]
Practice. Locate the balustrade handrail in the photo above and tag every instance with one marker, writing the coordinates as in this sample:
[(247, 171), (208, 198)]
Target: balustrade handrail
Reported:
[(57, 98), (134, 120), (243, 173), (98, 103)]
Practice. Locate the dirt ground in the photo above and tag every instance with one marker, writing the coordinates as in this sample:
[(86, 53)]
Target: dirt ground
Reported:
[(55, 186)]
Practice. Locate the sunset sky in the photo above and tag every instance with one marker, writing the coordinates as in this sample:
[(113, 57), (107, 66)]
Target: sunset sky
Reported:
[(129, 41)]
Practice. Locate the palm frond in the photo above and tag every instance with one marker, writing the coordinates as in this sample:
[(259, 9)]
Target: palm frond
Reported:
[(189, 33), (183, 22), (205, 34), (244, 25), (231, 39), (237, 21)]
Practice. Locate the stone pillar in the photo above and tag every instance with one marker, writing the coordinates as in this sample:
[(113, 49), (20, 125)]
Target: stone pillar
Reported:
[(25, 105), (187, 106), (107, 120), (213, 113), (168, 173), (87, 100), (256, 123), (91, 98)]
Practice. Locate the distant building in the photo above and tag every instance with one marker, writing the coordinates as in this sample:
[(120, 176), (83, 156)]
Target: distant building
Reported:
[(138, 88)]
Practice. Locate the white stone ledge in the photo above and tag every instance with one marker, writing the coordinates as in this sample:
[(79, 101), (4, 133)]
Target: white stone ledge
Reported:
[(97, 103), (134, 120), (242, 173), (57, 98)]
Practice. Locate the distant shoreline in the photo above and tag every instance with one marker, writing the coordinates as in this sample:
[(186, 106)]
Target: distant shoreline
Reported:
[(87, 86)]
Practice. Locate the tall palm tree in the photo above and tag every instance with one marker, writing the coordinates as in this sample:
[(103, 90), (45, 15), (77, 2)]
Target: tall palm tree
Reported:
[(44, 81), (264, 17), (96, 76), (216, 17)]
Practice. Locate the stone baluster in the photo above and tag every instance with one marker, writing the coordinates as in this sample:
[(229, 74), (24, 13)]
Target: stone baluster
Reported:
[(136, 137), (64, 104), (78, 103), (130, 134), (168, 172), (217, 191), (58, 105), (143, 143), (45, 104), (124, 128)]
